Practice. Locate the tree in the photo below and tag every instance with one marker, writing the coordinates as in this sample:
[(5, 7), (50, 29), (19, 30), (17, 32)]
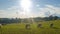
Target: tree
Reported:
[(56, 17), (51, 17)]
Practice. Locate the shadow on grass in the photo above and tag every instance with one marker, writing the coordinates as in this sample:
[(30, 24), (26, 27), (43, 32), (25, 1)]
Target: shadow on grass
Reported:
[(54, 28)]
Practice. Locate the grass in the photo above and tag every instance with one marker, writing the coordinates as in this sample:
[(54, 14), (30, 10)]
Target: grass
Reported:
[(20, 28)]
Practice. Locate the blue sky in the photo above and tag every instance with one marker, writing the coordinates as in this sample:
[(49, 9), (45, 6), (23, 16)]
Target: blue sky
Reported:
[(39, 8)]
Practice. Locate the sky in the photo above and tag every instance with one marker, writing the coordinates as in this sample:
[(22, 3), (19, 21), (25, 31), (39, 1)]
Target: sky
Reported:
[(29, 8)]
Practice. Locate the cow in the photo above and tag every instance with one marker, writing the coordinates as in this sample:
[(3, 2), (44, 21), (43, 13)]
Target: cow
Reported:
[(39, 25), (51, 25), (27, 26)]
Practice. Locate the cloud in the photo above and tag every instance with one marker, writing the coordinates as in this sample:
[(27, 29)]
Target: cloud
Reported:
[(2, 13), (9, 13), (16, 11), (52, 10)]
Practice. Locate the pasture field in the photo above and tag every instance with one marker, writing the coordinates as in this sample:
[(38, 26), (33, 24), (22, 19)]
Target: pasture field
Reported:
[(20, 28)]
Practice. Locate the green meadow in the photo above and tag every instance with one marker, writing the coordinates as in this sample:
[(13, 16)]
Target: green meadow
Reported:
[(19, 28)]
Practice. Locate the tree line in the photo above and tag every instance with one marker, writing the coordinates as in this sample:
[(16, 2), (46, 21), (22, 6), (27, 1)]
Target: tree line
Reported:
[(18, 20)]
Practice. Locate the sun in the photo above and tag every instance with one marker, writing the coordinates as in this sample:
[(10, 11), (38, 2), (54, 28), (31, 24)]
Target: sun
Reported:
[(25, 5)]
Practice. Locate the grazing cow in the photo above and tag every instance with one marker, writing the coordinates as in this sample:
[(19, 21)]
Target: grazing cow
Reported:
[(39, 25), (51, 25), (3, 24), (0, 25), (27, 26)]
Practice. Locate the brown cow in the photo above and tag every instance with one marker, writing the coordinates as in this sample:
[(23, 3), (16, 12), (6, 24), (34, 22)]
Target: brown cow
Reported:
[(51, 25), (27, 26), (39, 25), (0, 25)]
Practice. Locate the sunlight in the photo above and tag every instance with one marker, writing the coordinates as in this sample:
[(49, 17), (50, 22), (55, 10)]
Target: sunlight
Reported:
[(25, 5)]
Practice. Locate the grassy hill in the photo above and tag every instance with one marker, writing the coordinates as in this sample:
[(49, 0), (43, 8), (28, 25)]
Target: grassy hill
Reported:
[(19, 28)]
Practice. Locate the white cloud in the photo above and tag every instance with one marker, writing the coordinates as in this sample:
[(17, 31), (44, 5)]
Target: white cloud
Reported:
[(3, 13), (11, 12), (50, 8), (54, 9)]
